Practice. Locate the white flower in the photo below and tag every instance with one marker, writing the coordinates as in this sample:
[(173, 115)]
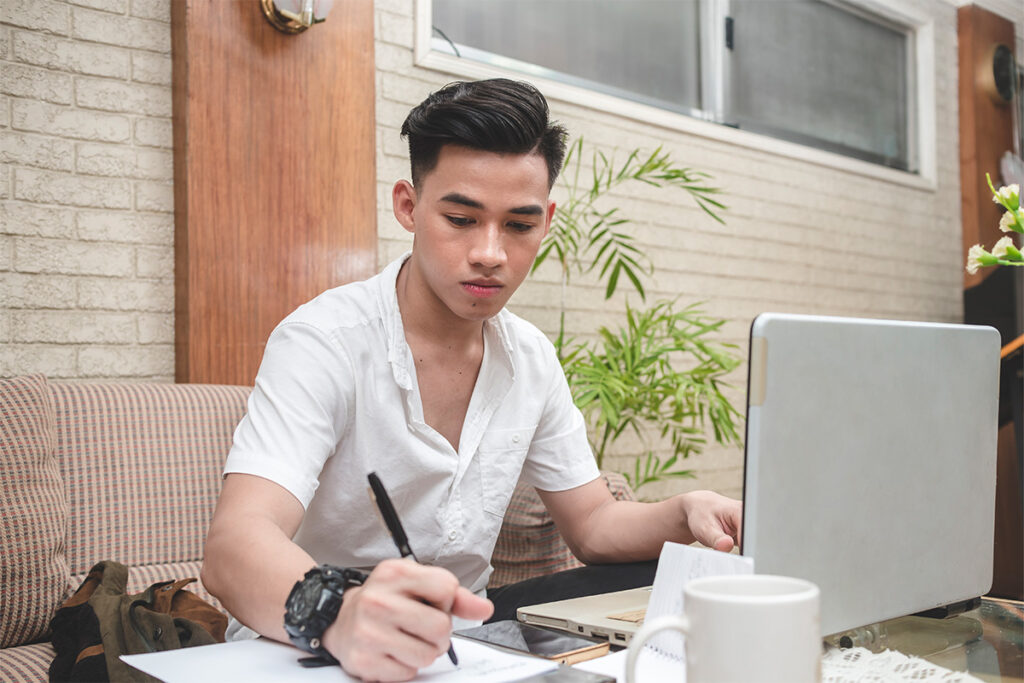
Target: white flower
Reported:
[(1008, 194), (1006, 221), (974, 258), (1001, 248)]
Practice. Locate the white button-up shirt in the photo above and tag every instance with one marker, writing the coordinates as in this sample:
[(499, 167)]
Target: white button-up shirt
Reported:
[(336, 397)]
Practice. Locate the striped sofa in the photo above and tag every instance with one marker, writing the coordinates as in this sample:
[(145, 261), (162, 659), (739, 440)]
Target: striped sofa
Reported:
[(131, 472)]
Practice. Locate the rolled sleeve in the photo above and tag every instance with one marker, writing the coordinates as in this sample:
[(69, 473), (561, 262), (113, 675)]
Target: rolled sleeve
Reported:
[(297, 408), (560, 456)]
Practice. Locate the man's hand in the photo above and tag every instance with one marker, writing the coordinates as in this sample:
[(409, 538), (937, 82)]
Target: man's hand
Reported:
[(399, 621), (713, 519)]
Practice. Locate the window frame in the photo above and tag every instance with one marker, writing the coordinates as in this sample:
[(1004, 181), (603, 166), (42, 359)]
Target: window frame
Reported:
[(707, 123)]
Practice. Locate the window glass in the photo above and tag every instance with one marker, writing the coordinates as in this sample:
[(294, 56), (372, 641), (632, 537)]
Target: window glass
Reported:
[(645, 48), (816, 73)]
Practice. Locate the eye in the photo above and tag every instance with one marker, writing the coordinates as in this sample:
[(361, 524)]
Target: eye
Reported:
[(521, 227), (459, 221)]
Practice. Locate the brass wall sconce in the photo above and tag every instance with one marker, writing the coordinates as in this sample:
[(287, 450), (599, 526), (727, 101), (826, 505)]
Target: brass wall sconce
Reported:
[(295, 16), (998, 74)]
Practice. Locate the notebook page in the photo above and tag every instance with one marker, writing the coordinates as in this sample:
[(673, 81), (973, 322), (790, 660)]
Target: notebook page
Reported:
[(677, 565)]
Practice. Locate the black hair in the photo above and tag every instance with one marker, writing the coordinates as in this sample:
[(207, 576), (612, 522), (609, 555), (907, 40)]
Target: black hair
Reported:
[(495, 115)]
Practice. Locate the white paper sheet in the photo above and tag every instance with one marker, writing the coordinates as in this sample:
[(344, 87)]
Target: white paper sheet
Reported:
[(677, 565), (256, 661)]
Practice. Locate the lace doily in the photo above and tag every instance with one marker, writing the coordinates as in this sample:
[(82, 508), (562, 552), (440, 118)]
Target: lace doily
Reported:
[(859, 665)]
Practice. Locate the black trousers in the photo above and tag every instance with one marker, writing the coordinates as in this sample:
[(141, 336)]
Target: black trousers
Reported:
[(572, 583)]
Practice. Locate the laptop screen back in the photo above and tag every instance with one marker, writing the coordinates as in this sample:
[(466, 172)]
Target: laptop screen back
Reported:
[(871, 461)]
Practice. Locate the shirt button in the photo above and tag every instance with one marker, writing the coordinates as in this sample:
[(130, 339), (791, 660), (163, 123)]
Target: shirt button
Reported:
[(452, 535), (515, 438)]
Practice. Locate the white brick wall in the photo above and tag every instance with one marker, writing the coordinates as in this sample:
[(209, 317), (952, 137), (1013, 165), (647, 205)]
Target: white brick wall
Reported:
[(86, 198), (799, 237)]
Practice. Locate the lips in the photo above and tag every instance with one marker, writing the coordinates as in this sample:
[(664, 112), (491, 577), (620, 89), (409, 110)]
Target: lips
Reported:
[(482, 289)]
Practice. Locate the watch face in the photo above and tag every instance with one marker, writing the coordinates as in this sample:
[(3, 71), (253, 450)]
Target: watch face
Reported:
[(306, 599)]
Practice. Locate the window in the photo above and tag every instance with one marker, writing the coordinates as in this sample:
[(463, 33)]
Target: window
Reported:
[(822, 73)]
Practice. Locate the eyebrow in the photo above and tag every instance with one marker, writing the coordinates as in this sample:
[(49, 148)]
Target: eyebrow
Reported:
[(528, 210)]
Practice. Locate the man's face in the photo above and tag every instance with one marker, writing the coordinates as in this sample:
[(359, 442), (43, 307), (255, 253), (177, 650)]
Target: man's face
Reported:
[(478, 219)]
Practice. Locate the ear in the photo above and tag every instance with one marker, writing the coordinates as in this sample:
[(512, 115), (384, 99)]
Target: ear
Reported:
[(403, 201), (548, 218)]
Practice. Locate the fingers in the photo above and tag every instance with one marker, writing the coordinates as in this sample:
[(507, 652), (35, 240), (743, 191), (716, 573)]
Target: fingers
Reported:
[(433, 585), (724, 544), (399, 621), (378, 651), (469, 605), (715, 520)]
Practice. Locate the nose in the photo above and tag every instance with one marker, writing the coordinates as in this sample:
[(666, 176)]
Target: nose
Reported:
[(488, 249)]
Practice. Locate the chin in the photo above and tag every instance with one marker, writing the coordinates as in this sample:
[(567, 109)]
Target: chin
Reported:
[(484, 310), (479, 314)]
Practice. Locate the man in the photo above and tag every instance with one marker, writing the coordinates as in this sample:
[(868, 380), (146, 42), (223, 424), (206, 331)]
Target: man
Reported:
[(421, 375)]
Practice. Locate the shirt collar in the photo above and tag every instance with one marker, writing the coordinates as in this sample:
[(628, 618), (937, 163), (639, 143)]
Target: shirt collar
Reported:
[(394, 333)]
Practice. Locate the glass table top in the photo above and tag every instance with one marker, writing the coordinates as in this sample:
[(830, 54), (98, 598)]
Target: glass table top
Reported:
[(987, 642)]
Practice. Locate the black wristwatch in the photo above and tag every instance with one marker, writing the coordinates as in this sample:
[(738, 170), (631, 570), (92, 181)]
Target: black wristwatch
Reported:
[(313, 605)]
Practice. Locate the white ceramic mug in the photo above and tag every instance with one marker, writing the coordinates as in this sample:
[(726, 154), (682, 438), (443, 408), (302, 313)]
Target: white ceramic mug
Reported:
[(744, 628)]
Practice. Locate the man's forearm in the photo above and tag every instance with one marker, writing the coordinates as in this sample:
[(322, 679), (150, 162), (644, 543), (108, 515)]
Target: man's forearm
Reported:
[(629, 531), (626, 531), (252, 571)]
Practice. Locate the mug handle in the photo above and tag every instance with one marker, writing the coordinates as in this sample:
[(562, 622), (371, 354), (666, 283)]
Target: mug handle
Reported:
[(636, 644)]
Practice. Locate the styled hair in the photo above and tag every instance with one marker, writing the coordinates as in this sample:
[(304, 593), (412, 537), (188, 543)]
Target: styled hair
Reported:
[(495, 115)]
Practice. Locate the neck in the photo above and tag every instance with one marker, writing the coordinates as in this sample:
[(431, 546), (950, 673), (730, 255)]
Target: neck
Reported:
[(425, 317)]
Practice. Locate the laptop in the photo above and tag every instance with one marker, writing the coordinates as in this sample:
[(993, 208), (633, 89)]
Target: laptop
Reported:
[(615, 616), (871, 462), (870, 468)]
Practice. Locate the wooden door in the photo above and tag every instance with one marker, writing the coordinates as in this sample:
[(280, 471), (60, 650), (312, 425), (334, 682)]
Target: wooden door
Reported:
[(274, 176)]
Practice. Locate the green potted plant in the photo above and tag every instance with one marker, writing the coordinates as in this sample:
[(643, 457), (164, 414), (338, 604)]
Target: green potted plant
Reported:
[(660, 374)]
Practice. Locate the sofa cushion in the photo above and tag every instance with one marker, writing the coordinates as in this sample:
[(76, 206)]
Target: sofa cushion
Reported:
[(33, 512), (142, 464), (26, 663), (529, 544)]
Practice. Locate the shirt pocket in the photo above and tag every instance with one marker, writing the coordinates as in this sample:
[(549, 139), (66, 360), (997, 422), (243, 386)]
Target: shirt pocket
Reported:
[(501, 454)]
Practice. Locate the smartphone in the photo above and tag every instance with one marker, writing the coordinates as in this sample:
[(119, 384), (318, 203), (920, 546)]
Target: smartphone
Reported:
[(558, 646)]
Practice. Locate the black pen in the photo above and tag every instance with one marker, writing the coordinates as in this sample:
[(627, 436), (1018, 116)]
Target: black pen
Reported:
[(387, 511)]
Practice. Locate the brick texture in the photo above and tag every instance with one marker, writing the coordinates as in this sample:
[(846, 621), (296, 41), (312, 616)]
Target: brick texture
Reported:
[(154, 132), (118, 96), (44, 16), (69, 122), (70, 55), (86, 222), (103, 27), (36, 150)]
